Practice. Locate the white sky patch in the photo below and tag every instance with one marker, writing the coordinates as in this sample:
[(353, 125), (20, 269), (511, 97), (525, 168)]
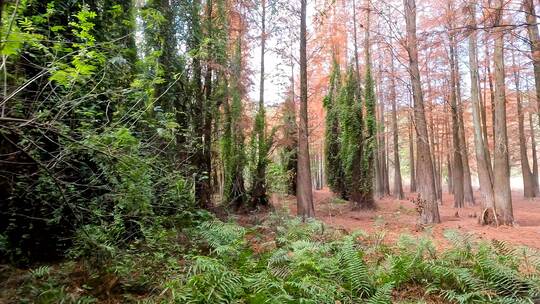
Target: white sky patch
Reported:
[(277, 68)]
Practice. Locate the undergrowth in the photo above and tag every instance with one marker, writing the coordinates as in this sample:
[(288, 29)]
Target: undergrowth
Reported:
[(284, 260)]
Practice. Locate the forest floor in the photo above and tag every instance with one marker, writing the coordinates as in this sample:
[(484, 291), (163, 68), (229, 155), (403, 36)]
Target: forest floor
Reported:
[(395, 217)]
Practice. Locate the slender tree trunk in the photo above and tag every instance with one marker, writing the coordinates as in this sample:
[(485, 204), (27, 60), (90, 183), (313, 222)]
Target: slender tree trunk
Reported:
[(355, 37), (398, 187), (450, 174), (439, 161), (483, 114), (491, 93), (534, 157), (382, 150), (450, 179), (202, 181), (501, 166), (482, 160), (468, 195), (378, 160), (293, 133), (528, 179), (426, 183), (487, 83), (457, 169), (412, 163), (534, 38), (304, 193), (258, 193), (438, 191), (207, 128)]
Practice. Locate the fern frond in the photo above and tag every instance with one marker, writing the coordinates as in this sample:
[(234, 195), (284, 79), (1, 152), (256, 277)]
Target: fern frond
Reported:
[(355, 270), (383, 295)]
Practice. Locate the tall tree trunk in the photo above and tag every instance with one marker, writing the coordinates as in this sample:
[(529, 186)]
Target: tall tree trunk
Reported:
[(209, 106), (412, 163), (426, 183), (355, 37), (501, 166), (304, 193), (491, 93), (468, 195), (534, 156), (398, 187), (439, 161), (487, 83), (438, 191), (258, 193), (480, 144), (382, 150), (534, 40), (202, 181), (450, 178), (457, 169), (528, 179)]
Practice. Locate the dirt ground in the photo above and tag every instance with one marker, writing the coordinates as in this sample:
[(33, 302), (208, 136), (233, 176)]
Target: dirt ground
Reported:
[(394, 217)]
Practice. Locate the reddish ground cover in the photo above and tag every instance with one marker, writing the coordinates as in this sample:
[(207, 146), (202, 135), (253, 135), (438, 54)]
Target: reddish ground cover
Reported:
[(394, 217)]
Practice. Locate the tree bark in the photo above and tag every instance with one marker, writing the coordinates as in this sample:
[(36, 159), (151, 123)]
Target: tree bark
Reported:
[(457, 169), (432, 150), (527, 175), (534, 40), (304, 192), (398, 187), (382, 150), (426, 183), (491, 95), (534, 156), (202, 181), (412, 163), (438, 163), (468, 195), (501, 166), (480, 144), (258, 192), (448, 148), (355, 37)]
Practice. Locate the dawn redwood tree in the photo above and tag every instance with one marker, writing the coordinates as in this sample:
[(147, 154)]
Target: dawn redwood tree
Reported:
[(351, 138), (304, 193), (412, 163), (232, 146), (261, 141), (526, 173), (289, 154), (381, 152), (534, 156), (424, 173), (457, 168), (369, 143), (468, 195), (501, 166), (480, 141), (201, 157), (398, 187), (334, 166), (534, 42)]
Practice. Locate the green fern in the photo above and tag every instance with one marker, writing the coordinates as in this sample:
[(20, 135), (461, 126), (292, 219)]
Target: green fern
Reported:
[(355, 270), (40, 272), (383, 295)]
